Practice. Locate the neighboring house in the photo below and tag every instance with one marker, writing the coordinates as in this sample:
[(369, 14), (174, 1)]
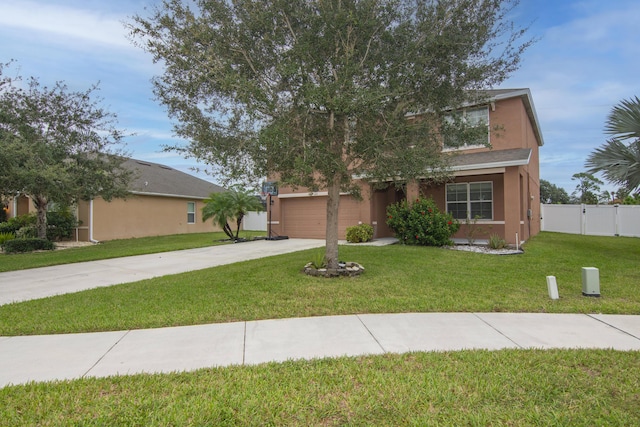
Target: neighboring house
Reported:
[(163, 201), (499, 184)]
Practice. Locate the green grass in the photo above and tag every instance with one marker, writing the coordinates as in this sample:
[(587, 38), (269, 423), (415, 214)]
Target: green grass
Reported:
[(474, 388), (115, 249), (498, 388), (397, 279)]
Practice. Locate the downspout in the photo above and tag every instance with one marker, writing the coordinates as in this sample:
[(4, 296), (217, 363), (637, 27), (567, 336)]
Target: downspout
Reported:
[(91, 222), (14, 210)]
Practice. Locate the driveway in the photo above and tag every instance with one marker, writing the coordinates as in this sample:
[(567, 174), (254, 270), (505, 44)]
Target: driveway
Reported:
[(22, 285)]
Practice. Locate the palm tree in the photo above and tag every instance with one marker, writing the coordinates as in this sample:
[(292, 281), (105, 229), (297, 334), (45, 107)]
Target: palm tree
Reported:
[(233, 203), (619, 162)]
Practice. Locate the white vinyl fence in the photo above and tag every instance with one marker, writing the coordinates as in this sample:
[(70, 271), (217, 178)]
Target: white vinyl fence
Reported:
[(595, 220), (255, 221)]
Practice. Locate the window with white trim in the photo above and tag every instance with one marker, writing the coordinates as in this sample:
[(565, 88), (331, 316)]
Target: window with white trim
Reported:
[(191, 212), (469, 200), (474, 128)]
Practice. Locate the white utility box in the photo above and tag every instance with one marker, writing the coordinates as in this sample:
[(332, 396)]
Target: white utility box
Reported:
[(590, 282)]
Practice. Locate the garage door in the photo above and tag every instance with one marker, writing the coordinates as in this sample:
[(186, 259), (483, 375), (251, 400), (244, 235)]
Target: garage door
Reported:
[(306, 217)]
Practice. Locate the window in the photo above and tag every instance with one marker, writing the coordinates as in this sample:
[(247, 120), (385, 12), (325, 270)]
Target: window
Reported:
[(467, 128), (469, 200), (191, 212)]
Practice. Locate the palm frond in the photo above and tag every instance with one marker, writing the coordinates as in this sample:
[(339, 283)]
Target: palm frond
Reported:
[(619, 163), (624, 120)]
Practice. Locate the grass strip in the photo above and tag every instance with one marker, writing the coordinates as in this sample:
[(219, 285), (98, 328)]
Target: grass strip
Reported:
[(500, 388), (116, 249)]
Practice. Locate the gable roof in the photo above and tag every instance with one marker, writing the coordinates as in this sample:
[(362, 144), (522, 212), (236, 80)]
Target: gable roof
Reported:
[(161, 180)]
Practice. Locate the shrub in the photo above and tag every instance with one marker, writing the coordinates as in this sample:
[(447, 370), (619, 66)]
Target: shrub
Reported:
[(16, 223), (27, 232), (359, 233), (496, 242), (27, 245), (319, 261), (60, 224), (472, 229), (421, 223), (5, 237)]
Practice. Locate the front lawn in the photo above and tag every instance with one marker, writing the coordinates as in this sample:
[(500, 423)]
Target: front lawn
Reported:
[(467, 388), (498, 388), (397, 279)]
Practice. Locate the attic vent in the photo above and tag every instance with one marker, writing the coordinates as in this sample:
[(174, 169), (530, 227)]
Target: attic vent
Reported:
[(166, 167), (143, 163)]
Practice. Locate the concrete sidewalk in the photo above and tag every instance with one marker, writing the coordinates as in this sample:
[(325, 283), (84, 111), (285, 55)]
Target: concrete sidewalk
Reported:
[(59, 357), (22, 285)]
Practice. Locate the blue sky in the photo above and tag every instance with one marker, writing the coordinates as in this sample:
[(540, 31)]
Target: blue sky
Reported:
[(587, 59)]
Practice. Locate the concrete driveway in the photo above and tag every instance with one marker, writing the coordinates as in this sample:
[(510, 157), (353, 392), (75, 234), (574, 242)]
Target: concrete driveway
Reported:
[(22, 285)]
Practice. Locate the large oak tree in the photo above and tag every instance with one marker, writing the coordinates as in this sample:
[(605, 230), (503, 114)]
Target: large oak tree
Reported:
[(56, 146), (317, 92)]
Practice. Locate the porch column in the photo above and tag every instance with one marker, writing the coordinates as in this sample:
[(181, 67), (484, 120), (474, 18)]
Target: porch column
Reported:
[(512, 205)]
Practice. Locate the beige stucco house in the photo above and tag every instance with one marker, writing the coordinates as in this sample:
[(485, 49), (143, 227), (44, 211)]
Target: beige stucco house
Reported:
[(162, 201), (499, 184)]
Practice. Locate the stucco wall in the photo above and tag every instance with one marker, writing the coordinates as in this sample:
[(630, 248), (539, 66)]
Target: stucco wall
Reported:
[(141, 216)]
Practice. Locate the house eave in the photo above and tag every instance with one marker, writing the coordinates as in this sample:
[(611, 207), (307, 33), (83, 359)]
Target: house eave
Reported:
[(492, 165), (175, 196)]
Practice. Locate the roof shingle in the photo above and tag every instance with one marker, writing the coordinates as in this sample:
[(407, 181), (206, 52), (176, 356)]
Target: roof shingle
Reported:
[(157, 179)]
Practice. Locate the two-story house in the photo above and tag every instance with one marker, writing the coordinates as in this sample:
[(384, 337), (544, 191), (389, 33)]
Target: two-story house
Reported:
[(495, 187)]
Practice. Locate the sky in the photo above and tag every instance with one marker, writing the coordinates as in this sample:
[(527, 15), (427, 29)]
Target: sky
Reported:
[(585, 61)]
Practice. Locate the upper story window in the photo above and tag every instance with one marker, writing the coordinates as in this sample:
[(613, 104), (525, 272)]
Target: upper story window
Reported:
[(468, 128)]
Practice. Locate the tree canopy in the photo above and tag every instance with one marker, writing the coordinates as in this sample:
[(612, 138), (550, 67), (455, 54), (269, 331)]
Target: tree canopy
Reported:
[(588, 189), (316, 92), (551, 193), (55, 145), (619, 159)]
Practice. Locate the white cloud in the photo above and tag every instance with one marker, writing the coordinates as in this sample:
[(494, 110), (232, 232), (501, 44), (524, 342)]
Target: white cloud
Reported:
[(81, 25)]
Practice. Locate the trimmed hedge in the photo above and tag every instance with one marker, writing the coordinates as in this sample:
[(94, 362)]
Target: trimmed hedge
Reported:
[(27, 245), (421, 223)]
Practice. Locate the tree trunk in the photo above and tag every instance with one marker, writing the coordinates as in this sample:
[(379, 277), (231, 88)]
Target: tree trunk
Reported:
[(238, 223), (333, 204), (41, 219)]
